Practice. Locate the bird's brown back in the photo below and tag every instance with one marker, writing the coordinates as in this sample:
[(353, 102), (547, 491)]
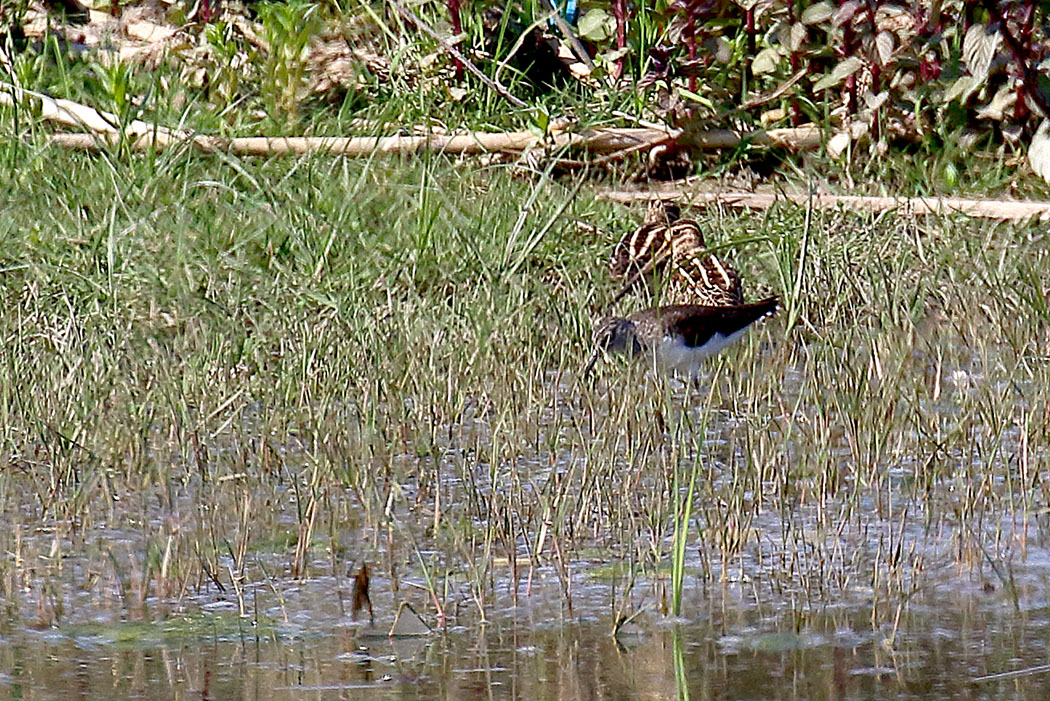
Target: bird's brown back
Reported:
[(664, 245)]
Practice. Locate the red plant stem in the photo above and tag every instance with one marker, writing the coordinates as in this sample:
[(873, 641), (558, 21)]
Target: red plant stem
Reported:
[(876, 80), (749, 30), (849, 45), (876, 67), (749, 27), (1025, 33), (1027, 23), (619, 8), (1025, 40), (457, 28), (796, 109)]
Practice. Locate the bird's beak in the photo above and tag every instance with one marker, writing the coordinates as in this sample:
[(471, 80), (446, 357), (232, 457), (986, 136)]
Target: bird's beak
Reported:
[(586, 370)]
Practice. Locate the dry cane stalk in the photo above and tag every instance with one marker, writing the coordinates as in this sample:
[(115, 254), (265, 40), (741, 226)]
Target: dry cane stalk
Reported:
[(915, 206)]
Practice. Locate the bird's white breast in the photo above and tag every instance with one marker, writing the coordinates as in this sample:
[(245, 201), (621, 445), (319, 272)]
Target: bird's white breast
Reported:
[(675, 355)]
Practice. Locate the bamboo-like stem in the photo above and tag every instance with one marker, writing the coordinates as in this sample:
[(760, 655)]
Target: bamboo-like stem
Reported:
[(914, 206)]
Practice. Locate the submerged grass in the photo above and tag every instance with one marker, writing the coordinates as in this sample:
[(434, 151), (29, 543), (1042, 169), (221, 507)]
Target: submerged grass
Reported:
[(219, 376)]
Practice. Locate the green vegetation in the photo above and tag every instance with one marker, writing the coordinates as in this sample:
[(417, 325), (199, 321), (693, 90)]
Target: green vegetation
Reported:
[(199, 360), (960, 86), (227, 377)]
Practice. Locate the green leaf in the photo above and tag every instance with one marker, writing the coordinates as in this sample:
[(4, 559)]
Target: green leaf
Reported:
[(884, 47), (783, 33), (874, 102), (595, 25), (765, 62), (979, 47), (845, 13), (613, 55), (1039, 151), (842, 71), (1004, 98), (695, 97), (838, 144), (817, 13), (541, 119), (951, 175), (797, 37), (722, 50), (962, 88)]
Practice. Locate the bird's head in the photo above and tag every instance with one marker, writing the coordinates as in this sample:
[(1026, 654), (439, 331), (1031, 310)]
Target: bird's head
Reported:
[(612, 335), (662, 212), (616, 335)]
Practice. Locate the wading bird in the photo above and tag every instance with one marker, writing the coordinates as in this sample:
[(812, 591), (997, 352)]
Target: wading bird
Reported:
[(678, 337)]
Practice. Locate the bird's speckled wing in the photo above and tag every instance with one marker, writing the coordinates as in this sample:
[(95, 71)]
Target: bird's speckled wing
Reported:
[(699, 277), (704, 279), (637, 248)]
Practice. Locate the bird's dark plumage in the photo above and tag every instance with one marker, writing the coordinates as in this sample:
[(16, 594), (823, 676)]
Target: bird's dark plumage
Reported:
[(697, 324)]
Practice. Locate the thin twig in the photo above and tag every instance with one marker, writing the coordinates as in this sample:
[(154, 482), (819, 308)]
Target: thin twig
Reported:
[(774, 94), (620, 154), (566, 31), (623, 153), (1013, 674), (600, 140), (639, 120)]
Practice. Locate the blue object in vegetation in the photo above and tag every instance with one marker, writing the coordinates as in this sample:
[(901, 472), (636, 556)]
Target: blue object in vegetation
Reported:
[(568, 9)]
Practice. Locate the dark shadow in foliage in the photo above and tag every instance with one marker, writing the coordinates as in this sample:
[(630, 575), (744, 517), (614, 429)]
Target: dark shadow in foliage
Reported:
[(67, 11), (537, 60)]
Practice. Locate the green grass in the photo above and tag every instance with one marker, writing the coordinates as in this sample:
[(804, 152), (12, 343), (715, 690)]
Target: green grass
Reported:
[(208, 360), (207, 354), (231, 381)]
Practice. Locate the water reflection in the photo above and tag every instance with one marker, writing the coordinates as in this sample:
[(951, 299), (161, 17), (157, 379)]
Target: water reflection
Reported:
[(938, 650)]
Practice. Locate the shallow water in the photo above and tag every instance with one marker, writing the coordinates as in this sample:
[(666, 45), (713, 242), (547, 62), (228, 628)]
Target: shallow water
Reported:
[(783, 619), (945, 646), (915, 576)]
